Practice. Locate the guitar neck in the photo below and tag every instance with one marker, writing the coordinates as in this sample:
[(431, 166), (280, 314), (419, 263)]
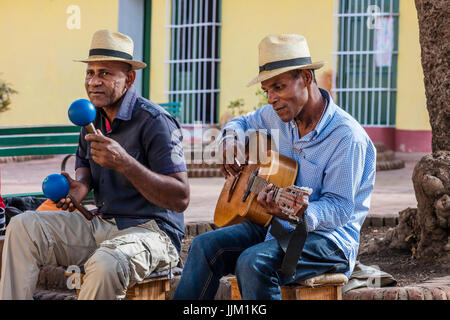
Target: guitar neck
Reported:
[(259, 184)]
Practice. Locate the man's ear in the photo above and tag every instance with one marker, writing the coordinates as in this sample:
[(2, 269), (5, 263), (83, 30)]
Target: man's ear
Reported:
[(308, 77), (131, 77)]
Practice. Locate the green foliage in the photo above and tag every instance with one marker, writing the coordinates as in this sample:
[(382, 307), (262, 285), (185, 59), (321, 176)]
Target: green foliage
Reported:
[(5, 95), (262, 98), (237, 107)]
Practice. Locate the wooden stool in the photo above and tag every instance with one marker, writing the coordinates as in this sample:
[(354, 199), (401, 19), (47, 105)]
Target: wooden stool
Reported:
[(154, 287), (323, 287)]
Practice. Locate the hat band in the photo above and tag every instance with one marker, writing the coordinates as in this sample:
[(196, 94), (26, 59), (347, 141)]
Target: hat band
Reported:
[(110, 53), (285, 63)]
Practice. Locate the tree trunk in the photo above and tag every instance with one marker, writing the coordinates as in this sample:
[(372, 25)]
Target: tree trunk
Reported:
[(425, 230), (434, 35)]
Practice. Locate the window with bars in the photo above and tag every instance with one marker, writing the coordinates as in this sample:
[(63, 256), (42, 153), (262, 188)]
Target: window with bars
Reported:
[(193, 64), (366, 82)]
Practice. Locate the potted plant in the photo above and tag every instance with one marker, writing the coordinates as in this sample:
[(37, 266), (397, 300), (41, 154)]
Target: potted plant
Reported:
[(5, 95)]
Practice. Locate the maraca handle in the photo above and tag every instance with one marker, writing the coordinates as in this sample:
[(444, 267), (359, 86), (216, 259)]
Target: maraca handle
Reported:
[(81, 208), (90, 128)]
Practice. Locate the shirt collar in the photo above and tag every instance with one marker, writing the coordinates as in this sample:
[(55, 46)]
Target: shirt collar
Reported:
[(126, 108), (323, 121), (327, 115)]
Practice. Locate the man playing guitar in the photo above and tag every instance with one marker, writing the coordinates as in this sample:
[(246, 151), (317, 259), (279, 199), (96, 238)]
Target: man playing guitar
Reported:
[(335, 158)]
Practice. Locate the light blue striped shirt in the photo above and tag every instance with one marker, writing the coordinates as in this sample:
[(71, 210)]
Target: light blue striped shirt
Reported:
[(336, 159)]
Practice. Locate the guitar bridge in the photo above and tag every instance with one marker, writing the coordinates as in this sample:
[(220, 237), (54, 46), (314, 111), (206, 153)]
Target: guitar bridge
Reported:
[(233, 186), (250, 184)]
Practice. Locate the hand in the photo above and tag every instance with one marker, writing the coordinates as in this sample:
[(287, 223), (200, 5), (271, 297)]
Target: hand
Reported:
[(107, 152), (78, 190), (232, 149), (266, 200)]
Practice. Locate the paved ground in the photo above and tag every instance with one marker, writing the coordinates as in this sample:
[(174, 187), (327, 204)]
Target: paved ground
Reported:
[(393, 189)]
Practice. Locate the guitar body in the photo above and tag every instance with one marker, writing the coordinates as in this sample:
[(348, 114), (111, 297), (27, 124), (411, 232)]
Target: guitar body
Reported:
[(231, 209)]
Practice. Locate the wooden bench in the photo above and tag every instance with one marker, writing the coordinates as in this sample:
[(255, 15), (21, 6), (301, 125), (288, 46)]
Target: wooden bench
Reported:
[(174, 108), (323, 287), (154, 287)]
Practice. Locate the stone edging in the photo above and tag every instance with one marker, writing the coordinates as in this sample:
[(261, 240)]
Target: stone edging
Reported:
[(419, 292), (24, 158), (193, 229), (380, 221)]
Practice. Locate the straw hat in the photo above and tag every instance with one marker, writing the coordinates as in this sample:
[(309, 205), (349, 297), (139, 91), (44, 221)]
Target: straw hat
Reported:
[(281, 53), (108, 45)]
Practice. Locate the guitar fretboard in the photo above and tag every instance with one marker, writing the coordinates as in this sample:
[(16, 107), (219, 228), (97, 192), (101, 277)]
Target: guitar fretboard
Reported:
[(259, 184)]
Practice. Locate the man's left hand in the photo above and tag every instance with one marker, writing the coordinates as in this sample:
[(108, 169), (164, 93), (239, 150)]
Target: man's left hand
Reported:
[(266, 200), (107, 152)]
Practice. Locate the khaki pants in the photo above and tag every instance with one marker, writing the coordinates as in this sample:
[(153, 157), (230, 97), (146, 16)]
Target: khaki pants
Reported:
[(113, 259)]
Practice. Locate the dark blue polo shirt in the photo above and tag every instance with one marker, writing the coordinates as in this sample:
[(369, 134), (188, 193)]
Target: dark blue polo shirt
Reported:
[(151, 136)]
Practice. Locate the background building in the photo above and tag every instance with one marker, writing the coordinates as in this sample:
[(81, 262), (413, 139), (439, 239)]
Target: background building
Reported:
[(203, 52)]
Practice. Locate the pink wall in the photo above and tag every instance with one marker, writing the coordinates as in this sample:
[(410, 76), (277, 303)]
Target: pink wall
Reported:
[(407, 141)]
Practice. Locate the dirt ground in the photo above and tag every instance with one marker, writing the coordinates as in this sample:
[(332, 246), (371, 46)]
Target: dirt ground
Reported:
[(400, 264)]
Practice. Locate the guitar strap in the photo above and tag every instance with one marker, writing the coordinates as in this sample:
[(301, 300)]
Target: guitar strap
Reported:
[(291, 243)]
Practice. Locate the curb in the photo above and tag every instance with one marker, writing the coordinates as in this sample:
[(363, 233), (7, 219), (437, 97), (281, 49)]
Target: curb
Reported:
[(193, 229), (24, 158), (419, 292), (380, 221)]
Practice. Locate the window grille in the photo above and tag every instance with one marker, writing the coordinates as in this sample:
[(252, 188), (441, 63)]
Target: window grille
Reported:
[(366, 56), (193, 63)]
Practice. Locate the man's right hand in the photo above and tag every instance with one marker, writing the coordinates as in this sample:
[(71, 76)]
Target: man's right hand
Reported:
[(78, 190), (233, 156)]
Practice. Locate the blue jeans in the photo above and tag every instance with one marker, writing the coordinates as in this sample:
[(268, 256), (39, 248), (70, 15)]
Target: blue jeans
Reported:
[(240, 249)]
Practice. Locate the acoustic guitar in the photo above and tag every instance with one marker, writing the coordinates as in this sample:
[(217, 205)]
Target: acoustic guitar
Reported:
[(238, 199)]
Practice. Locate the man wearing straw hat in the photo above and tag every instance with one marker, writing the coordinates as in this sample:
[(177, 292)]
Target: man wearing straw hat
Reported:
[(135, 165), (335, 158)]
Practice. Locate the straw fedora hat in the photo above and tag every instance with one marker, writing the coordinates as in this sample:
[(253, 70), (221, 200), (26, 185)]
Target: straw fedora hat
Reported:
[(281, 53), (107, 45)]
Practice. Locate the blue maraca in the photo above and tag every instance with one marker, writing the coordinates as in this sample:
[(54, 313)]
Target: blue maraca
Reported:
[(55, 186), (82, 112)]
